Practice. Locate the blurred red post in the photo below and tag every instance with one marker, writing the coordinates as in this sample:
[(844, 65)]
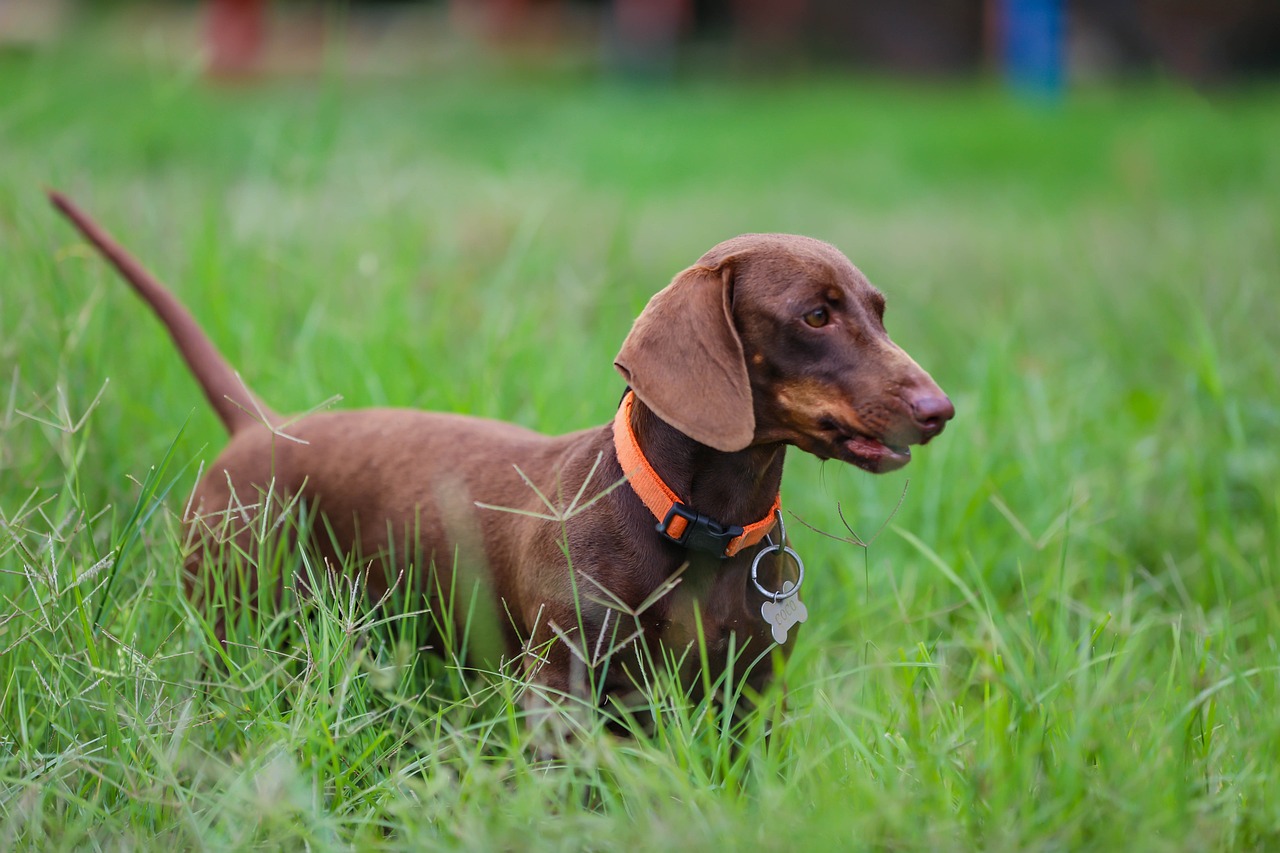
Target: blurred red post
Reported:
[(235, 31)]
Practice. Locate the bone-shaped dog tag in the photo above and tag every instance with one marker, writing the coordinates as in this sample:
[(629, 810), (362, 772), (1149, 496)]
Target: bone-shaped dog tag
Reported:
[(784, 614)]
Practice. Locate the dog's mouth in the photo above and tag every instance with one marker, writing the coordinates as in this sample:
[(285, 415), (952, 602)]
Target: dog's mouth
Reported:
[(865, 451), (873, 455)]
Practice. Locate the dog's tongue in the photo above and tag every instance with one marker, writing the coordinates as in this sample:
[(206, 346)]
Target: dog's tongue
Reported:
[(876, 455)]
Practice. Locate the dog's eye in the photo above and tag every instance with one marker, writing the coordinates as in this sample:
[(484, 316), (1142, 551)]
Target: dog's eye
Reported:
[(818, 317)]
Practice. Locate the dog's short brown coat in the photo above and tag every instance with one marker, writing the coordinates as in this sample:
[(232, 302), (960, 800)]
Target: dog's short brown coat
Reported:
[(768, 340)]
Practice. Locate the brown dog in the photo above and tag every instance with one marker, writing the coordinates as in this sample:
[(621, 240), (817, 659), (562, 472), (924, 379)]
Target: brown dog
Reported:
[(768, 340)]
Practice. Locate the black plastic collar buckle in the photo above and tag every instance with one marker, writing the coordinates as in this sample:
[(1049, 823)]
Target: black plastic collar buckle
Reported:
[(701, 533)]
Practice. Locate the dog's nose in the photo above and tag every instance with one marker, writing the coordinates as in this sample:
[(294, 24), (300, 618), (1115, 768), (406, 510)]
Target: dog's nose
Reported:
[(931, 414)]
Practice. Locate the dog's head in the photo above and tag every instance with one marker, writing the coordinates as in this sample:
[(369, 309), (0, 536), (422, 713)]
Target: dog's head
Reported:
[(774, 337)]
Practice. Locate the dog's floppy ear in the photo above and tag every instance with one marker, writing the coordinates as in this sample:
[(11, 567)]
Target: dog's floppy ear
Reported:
[(684, 360)]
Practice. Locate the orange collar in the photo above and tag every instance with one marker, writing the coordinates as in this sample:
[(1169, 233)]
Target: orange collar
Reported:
[(677, 521)]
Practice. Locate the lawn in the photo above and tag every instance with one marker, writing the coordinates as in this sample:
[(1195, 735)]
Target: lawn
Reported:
[(1064, 637)]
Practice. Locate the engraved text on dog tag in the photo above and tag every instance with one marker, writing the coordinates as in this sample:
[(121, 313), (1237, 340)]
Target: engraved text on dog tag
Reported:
[(784, 614)]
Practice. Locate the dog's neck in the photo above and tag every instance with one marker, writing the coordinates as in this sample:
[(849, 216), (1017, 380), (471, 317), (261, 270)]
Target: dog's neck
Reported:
[(733, 488)]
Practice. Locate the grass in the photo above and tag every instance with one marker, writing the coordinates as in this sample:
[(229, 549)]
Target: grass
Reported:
[(1065, 638)]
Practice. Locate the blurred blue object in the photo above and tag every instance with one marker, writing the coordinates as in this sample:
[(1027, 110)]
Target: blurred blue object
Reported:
[(1032, 38)]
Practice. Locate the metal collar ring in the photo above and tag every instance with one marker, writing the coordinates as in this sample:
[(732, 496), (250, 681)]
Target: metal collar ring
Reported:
[(782, 547)]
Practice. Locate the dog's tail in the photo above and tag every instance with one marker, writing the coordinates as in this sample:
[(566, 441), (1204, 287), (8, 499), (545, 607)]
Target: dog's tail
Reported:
[(235, 404)]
